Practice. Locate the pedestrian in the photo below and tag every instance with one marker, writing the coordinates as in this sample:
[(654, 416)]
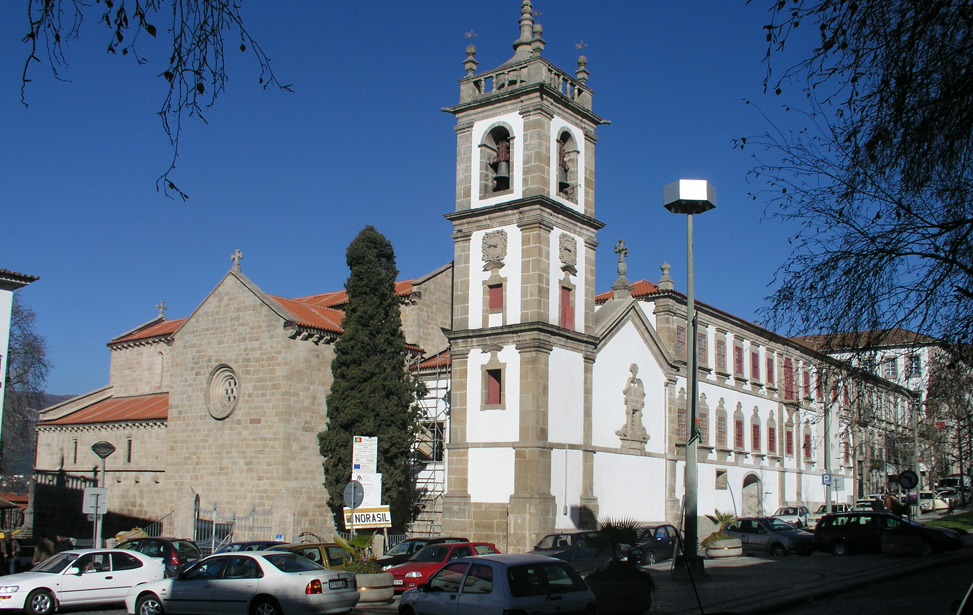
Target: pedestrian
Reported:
[(10, 549), (63, 543), (43, 550), (3, 553)]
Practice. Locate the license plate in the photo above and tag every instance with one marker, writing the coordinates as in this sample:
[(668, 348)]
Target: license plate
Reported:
[(338, 584), (397, 582)]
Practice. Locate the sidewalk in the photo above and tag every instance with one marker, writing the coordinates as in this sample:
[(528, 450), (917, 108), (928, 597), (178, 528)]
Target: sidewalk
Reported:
[(753, 585)]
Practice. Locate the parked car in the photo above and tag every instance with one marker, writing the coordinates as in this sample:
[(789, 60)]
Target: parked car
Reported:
[(662, 545), (248, 583), (252, 545), (795, 515), (404, 550), (953, 496), (862, 532), (175, 553), (771, 535), (932, 502), (430, 559), (327, 554), (78, 577), (822, 510), (581, 549), (498, 584)]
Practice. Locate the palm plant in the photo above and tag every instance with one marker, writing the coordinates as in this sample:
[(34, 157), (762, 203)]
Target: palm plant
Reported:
[(722, 520), (361, 560), (614, 534)]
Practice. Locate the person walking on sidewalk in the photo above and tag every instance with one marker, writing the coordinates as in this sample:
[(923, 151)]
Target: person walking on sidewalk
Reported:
[(10, 549), (43, 550)]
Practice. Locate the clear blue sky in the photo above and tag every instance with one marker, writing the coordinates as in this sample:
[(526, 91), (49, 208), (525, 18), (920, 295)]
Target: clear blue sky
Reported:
[(291, 178)]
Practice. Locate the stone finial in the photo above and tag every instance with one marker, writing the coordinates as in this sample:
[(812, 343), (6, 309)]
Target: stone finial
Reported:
[(236, 257), (622, 288), (162, 309), (522, 46), (537, 43), (470, 63), (582, 72), (665, 282)]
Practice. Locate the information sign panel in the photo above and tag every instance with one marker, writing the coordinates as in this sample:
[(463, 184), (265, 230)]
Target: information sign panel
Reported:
[(375, 517), (364, 455), (95, 501), (372, 486)]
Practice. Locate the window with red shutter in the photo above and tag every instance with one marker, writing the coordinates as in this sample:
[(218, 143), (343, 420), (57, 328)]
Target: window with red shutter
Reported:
[(702, 349), (789, 442), (567, 308), (721, 431), (807, 383), (772, 440), (721, 355), (738, 360), (494, 385), (771, 372), (681, 424), (789, 379), (807, 446), (755, 443), (681, 341), (738, 434), (496, 297), (754, 366)]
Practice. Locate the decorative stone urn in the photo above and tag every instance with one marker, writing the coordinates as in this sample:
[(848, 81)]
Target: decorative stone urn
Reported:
[(375, 587), (725, 547)]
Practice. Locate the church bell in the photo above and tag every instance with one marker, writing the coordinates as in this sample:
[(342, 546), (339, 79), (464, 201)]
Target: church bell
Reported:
[(503, 170)]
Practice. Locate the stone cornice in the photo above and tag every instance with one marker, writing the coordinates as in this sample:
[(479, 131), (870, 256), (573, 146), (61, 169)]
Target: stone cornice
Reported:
[(517, 206)]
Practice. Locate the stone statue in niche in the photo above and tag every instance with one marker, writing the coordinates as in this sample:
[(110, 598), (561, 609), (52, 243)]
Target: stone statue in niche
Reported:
[(632, 434), (569, 253), (494, 249)]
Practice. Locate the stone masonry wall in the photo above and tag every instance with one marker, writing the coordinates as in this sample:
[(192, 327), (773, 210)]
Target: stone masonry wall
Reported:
[(265, 452), (423, 321), (140, 370)]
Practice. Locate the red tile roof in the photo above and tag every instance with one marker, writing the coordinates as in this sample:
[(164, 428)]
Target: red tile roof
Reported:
[(642, 288), (440, 360), (118, 410), (158, 329), (310, 315), (856, 340), (339, 298)]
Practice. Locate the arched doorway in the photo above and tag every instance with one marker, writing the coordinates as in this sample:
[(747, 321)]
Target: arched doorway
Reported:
[(752, 496)]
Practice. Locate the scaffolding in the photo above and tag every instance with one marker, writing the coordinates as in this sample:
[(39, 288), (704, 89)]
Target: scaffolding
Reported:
[(429, 450)]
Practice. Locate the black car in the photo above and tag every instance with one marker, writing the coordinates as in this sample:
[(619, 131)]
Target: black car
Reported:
[(250, 545), (662, 544), (175, 553), (403, 551), (581, 549), (864, 531)]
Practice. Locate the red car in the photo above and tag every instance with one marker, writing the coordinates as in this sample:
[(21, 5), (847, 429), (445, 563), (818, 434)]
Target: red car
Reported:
[(430, 559)]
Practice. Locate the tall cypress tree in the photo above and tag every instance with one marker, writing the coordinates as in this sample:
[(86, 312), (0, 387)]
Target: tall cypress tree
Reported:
[(372, 393)]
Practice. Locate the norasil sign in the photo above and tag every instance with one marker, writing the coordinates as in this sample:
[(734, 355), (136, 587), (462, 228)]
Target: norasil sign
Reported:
[(372, 517)]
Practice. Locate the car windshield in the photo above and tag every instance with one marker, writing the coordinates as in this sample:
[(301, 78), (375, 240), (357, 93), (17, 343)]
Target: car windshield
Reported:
[(291, 562), (785, 511), (777, 526), (403, 548), (432, 553), (543, 579), (55, 564)]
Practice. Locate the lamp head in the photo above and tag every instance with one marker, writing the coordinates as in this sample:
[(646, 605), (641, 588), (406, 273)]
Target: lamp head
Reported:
[(689, 196), (103, 449)]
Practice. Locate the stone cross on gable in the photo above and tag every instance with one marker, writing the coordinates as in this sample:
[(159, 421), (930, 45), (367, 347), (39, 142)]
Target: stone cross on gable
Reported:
[(162, 309), (236, 257), (622, 252)]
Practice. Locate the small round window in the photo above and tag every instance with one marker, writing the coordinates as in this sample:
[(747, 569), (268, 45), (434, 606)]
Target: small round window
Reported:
[(224, 392)]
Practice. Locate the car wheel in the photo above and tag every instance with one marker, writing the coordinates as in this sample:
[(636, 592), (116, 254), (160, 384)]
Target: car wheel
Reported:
[(650, 558), (40, 602), (148, 604), (927, 549), (839, 549), (265, 606), (778, 550), (407, 610)]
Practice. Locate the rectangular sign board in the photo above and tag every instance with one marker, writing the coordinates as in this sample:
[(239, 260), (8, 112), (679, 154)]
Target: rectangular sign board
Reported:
[(826, 479), (95, 501), (364, 455), (373, 517), (371, 486)]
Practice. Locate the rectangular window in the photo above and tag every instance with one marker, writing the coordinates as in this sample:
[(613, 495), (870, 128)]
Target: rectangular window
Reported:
[(702, 349), (819, 388), (892, 368), (128, 452), (496, 297), (915, 365), (721, 482), (868, 365), (680, 341), (772, 440), (754, 365), (846, 453), (702, 422), (567, 308), (738, 434), (789, 442), (721, 431), (721, 355), (681, 424), (755, 438), (789, 380), (494, 387), (807, 446), (806, 376), (75, 451), (738, 360), (771, 372)]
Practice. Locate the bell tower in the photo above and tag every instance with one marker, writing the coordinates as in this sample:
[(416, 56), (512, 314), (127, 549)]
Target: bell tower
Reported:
[(522, 346)]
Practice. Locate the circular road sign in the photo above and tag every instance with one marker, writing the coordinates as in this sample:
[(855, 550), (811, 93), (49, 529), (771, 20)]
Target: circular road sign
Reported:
[(354, 494), (908, 479)]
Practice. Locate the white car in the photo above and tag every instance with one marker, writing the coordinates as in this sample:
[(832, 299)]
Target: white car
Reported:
[(497, 584), (79, 577), (250, 583), (812, 519), (932, 502), (795, 515)]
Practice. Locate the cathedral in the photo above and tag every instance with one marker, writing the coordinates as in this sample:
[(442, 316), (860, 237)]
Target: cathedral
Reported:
[(551, 405)]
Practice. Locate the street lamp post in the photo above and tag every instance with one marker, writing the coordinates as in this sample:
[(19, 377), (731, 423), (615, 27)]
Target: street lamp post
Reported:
[(690, 196), (102, 449)]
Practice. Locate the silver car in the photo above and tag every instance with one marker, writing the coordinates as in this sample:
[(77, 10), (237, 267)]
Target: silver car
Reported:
[(795, 515), (771, 535), (498, 584)]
